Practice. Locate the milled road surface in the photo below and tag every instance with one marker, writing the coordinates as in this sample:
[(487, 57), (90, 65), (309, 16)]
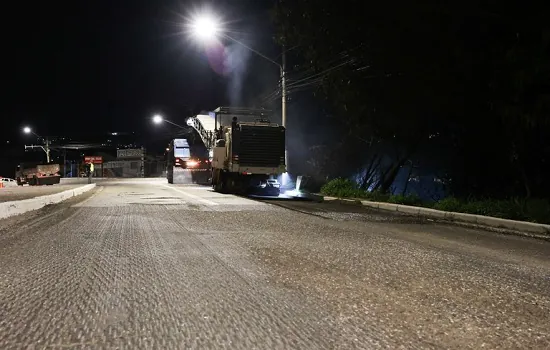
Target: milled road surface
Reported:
[(144, 265)]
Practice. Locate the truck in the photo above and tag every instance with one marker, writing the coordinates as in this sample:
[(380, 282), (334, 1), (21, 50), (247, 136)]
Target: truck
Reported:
[(248, 152), (187, 163), (37, 174)]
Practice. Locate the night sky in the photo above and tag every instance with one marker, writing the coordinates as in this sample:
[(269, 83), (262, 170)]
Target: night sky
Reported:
[(73, 68)]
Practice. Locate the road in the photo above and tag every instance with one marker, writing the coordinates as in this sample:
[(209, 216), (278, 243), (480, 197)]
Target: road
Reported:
[(145, 265)]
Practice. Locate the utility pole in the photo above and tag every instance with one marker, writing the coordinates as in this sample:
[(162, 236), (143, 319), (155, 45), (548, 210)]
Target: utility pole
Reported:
[(283, 99), (283, 88), (45, 148), (64, 162)]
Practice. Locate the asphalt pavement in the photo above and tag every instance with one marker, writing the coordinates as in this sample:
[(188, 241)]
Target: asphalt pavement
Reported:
[(146, 265)]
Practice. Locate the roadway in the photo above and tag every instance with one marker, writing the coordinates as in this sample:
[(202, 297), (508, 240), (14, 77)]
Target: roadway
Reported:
[(142, 264)]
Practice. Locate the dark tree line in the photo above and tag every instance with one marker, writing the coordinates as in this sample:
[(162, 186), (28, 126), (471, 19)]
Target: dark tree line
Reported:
[(463, 92)]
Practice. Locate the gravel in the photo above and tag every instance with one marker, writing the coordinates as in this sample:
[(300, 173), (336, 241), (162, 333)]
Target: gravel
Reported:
[(143, 265)]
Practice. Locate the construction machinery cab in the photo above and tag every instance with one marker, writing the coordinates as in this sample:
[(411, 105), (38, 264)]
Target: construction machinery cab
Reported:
[(248, 153)]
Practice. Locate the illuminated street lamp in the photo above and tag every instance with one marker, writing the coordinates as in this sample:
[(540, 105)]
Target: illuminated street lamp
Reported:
[(205, 27), (157, 119)]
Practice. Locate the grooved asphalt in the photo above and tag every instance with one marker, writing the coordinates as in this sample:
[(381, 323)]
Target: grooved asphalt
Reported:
[(144, 265)]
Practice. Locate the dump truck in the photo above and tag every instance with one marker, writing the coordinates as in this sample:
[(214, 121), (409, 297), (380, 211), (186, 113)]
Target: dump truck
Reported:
[(248, 153), (37, 174)]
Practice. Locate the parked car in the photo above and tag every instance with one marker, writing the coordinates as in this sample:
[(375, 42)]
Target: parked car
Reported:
[(7, 182)]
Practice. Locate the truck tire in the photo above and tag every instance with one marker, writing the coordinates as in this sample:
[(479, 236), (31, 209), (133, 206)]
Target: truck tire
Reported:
[(217, 184)]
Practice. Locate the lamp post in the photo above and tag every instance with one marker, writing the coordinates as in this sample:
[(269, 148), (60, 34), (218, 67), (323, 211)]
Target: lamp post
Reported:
[(46, 148), (158, 119), (207, 28)]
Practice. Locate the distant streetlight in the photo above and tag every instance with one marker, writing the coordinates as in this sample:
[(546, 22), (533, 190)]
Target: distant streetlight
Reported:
[(157, 119), (46, 148), (206, 27)]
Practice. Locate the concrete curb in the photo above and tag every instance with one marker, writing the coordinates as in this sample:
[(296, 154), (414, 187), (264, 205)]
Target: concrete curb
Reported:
[(81, 180), (12, 208), (477, 220)]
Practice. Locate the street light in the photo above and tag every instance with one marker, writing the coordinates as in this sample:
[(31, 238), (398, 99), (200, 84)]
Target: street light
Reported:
[(28, 130), (206, 27), (157, 119)]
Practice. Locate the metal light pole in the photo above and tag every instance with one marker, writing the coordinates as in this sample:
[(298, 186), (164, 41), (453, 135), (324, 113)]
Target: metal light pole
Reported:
[(283, 102), (283, 92), (46, 149), (281, 71)]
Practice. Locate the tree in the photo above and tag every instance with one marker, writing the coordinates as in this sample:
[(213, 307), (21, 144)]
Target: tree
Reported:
[(398, 74), (380, 94), (521, 99)]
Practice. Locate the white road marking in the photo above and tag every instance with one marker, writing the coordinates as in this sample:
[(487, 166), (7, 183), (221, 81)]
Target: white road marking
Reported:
[(202, 200)]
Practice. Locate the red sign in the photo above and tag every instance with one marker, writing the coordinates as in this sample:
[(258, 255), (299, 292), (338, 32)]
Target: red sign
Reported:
[(93, 159)]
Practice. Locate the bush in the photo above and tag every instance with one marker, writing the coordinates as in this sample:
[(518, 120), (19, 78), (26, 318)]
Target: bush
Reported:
[(377, 196), (506, 209), (535, 210), (410, 199), (448, 204), (342, 188), (538, 210)]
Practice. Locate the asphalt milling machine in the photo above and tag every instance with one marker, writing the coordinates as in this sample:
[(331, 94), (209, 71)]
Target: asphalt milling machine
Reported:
[(247, 153)]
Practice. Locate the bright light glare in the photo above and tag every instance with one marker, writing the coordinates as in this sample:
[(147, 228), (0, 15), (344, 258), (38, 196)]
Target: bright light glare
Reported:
[(27, 130), (157, 119), (192, 163), (205, 27), (285, 179)]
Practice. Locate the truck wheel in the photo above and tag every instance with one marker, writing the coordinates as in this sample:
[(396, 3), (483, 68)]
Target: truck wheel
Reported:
[(218, 181), (222, 185)]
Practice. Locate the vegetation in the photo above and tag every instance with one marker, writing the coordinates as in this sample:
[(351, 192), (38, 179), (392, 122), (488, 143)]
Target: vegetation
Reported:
[(514, 209), (462, 95)]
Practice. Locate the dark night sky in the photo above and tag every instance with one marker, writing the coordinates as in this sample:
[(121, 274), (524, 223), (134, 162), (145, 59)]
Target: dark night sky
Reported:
[(96, 66)]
